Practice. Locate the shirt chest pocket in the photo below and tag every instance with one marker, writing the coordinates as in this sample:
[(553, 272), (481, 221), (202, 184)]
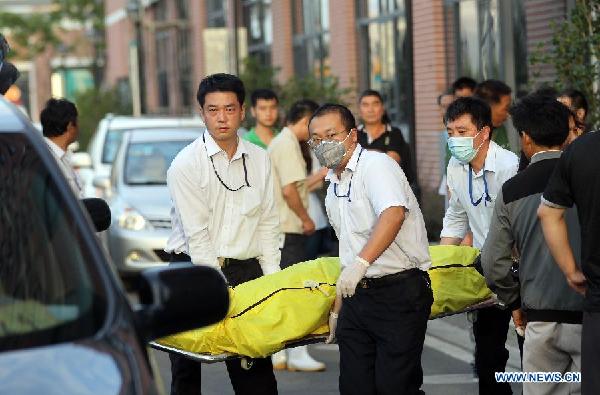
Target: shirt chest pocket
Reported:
[(360, 216), (251, 201)]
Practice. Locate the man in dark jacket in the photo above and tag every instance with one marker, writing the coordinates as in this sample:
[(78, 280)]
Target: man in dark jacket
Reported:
[(553, 310)]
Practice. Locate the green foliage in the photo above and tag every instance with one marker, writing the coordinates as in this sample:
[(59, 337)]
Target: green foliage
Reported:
[(92, 105), (574, 52), (257, 74), (33, 33), (310, 87)]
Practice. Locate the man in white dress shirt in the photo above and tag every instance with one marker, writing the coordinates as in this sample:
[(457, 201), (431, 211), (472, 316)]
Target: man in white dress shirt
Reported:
[(384, 256), (224, 216), (475, 175), (59, 127)]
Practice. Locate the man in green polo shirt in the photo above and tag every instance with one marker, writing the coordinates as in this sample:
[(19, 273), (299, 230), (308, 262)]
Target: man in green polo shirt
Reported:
[(498, 96), (265, 108)]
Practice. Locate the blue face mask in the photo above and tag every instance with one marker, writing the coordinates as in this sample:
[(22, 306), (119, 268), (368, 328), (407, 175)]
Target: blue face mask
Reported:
[(462, 148)]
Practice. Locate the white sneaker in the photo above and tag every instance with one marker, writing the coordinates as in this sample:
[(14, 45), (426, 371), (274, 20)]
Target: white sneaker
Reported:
[(300, 361), (279, 360)]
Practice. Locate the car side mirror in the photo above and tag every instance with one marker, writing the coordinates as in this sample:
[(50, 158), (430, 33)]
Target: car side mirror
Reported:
[(81, 160), (99, 213), (178, 298)]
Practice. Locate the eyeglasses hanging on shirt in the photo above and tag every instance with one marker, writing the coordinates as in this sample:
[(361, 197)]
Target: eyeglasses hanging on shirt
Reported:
[(347, 195), (247, 184), (485, 195)]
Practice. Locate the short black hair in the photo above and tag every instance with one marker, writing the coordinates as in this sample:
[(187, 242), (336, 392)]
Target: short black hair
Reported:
[(462, 83), (480, 111), (56, 115), (543, 118), (330, 108), (221, 82), (578, 100), (8, 76), (491, 91), (265, 94), (372, 92), (546, 90), (299, 110)]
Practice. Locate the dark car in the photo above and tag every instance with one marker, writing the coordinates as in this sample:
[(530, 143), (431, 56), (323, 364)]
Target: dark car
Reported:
[(66, 326)]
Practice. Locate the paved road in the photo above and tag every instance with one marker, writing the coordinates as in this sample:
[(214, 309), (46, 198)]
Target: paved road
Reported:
[(446, 357)]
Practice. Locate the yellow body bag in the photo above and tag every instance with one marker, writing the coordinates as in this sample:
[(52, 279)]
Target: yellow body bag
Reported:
[(270, 311), (455, 282)]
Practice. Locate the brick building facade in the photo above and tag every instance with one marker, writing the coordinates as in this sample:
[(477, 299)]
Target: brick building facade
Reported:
[(409, 50)]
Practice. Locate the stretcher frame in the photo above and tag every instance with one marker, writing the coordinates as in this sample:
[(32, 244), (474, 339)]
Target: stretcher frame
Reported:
[(311, 339)]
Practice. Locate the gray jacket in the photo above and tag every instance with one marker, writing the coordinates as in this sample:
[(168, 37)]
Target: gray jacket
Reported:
[(541, 288)]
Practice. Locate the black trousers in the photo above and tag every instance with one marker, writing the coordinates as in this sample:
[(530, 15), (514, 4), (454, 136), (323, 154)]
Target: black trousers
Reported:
[(490, 330), (294, 249), (380, 333), (186, 377), (590, 354)]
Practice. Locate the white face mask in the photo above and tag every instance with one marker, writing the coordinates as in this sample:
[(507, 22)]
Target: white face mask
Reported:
[(462, 148), (330, 153)]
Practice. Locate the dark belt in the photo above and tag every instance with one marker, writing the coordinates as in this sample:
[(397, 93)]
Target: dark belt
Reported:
[(232, 261), (376, 282), (183, 257)]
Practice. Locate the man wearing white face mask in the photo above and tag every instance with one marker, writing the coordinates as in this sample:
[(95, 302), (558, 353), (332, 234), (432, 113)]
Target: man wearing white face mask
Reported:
[(384, 255), (475, 174)]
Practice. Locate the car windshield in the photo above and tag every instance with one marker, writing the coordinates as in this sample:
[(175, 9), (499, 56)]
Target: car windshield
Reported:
[(111, 145), (147, 163), (50, 289)]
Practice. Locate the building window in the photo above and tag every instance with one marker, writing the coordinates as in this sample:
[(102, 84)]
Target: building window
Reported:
[(216, 38), (216, 13), (257, 27), (311, 37), (387, 56), (162, 56), (489, 40), (184, 56)]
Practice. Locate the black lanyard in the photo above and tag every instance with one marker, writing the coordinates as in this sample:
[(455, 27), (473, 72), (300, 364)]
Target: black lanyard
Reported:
[(350, 183), (217, 174), (485, 186)]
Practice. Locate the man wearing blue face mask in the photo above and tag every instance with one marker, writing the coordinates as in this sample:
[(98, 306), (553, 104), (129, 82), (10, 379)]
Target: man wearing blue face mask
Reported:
[(475, 174)]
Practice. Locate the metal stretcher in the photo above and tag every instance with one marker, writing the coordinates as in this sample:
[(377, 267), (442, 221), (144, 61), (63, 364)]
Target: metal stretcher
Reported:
[(313, 339)]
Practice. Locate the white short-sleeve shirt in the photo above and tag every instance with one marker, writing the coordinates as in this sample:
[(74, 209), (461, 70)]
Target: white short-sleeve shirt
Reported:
[(371, 183), (462, 214)]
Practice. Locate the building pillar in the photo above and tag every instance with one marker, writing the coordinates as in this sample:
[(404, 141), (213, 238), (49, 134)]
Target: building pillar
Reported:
[(343, 51), (282, 48), (429, 59), (197, 25)]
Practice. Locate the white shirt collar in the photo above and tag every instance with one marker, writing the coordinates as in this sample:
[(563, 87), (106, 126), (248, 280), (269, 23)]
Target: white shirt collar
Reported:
[(212, 148), (351, 165), (490, 159), (58, 152)]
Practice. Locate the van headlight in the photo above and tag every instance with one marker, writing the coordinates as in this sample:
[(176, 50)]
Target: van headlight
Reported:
[(132, 220)]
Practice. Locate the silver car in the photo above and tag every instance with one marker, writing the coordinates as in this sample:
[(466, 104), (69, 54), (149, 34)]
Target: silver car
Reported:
[(139, 199)]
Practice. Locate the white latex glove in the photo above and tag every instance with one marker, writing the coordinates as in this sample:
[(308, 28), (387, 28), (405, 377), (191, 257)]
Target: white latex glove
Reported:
[(270, 269), (350, 276), (333, 317)]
